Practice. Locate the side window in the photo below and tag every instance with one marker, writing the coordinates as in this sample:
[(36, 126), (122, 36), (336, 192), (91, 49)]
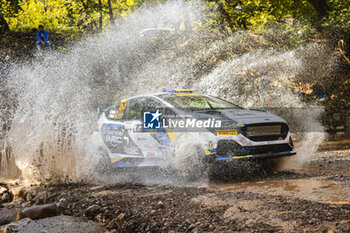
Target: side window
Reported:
[(152, 105), (117, 112), (135, 109), (169, 112), (137, 106)]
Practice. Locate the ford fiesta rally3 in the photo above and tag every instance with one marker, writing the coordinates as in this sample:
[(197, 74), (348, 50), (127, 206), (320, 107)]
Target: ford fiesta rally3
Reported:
[(144, 130)]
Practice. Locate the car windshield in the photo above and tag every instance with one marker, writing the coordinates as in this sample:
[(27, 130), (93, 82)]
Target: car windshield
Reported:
[(197, 102)]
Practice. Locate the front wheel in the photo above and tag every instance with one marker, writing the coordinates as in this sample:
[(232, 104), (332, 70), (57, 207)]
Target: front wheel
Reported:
[(104, 165), (189, 160)]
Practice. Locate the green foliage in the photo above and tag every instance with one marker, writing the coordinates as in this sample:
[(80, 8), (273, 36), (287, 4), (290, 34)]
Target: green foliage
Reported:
[(9, 7), (254, 15), (339, 17), (64, 15), (51, 13)]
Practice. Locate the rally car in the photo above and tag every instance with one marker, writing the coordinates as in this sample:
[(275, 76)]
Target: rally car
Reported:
[(145, 130)]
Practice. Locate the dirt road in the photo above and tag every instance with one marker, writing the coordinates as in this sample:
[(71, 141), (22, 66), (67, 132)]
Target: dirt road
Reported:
[(315, 199)]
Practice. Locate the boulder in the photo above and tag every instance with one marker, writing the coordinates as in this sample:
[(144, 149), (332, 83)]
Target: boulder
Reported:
[(15, 226), (56, 224), (37, 212), (6, 215)]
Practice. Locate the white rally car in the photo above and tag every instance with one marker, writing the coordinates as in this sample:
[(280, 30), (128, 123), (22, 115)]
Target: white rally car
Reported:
[(144, 130)]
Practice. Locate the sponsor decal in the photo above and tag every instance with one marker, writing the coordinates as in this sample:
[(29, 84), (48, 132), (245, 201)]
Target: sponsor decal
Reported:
[(122, 107), (156, 121), (192, 123), (227, 132), (152, 120), (114, 139), (150, 154), (146, 146)]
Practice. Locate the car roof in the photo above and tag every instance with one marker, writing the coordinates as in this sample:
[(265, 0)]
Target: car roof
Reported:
[(182, 92)]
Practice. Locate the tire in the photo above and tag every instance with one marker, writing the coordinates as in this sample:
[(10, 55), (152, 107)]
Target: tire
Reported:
[(104, 165), (225, 171), (189, 160)]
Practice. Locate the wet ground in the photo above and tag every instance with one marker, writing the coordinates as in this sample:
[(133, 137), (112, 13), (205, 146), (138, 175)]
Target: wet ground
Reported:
[(313, 199)]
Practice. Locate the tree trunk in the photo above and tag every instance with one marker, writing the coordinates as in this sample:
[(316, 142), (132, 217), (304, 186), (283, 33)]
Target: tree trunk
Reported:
[(110, 10), (100, 18), (4, 27), (321, 6), (224, 14)]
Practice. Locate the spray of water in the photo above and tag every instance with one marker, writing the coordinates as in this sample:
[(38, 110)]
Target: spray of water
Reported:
[(58, 94), (262, 79)]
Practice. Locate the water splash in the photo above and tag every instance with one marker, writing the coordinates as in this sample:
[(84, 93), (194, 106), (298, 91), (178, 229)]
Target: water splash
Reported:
[(262, 79), (58, 94)]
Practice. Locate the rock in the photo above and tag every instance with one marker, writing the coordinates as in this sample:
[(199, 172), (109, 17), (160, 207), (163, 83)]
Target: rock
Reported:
[(111, 224), (120, 217), (37, 212), (31, 194), (39, 198), (62, 203), (15, 226), (6, 215), (59, 224), (192, 226), (3, 188), (19, 193), (160, 205), (6, 197), (188, 222), (92, 210), (111, 231)]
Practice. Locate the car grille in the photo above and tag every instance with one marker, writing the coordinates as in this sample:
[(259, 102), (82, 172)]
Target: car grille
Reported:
[(265, 131), (226, 148)]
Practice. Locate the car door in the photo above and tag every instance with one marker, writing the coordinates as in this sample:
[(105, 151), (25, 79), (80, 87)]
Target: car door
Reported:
[(112, 129), (146, 140)]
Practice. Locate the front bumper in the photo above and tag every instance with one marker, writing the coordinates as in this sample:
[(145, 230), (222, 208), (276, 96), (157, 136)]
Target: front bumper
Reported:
[(211, 158)]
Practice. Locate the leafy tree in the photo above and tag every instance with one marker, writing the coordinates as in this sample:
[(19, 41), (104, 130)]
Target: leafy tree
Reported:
[(8, 8), (65, 15)]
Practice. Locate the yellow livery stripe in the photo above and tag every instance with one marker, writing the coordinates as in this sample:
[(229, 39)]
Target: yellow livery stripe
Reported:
[(113, 160), (172, 135), (185, 93)]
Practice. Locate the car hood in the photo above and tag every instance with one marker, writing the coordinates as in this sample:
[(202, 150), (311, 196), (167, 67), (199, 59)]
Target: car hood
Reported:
[(240, 116)]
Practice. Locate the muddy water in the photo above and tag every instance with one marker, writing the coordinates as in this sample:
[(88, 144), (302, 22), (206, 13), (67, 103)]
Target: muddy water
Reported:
[(323, 191)]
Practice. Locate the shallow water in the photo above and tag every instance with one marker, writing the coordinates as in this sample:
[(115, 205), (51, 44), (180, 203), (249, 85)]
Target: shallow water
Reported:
[(324, 191)]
